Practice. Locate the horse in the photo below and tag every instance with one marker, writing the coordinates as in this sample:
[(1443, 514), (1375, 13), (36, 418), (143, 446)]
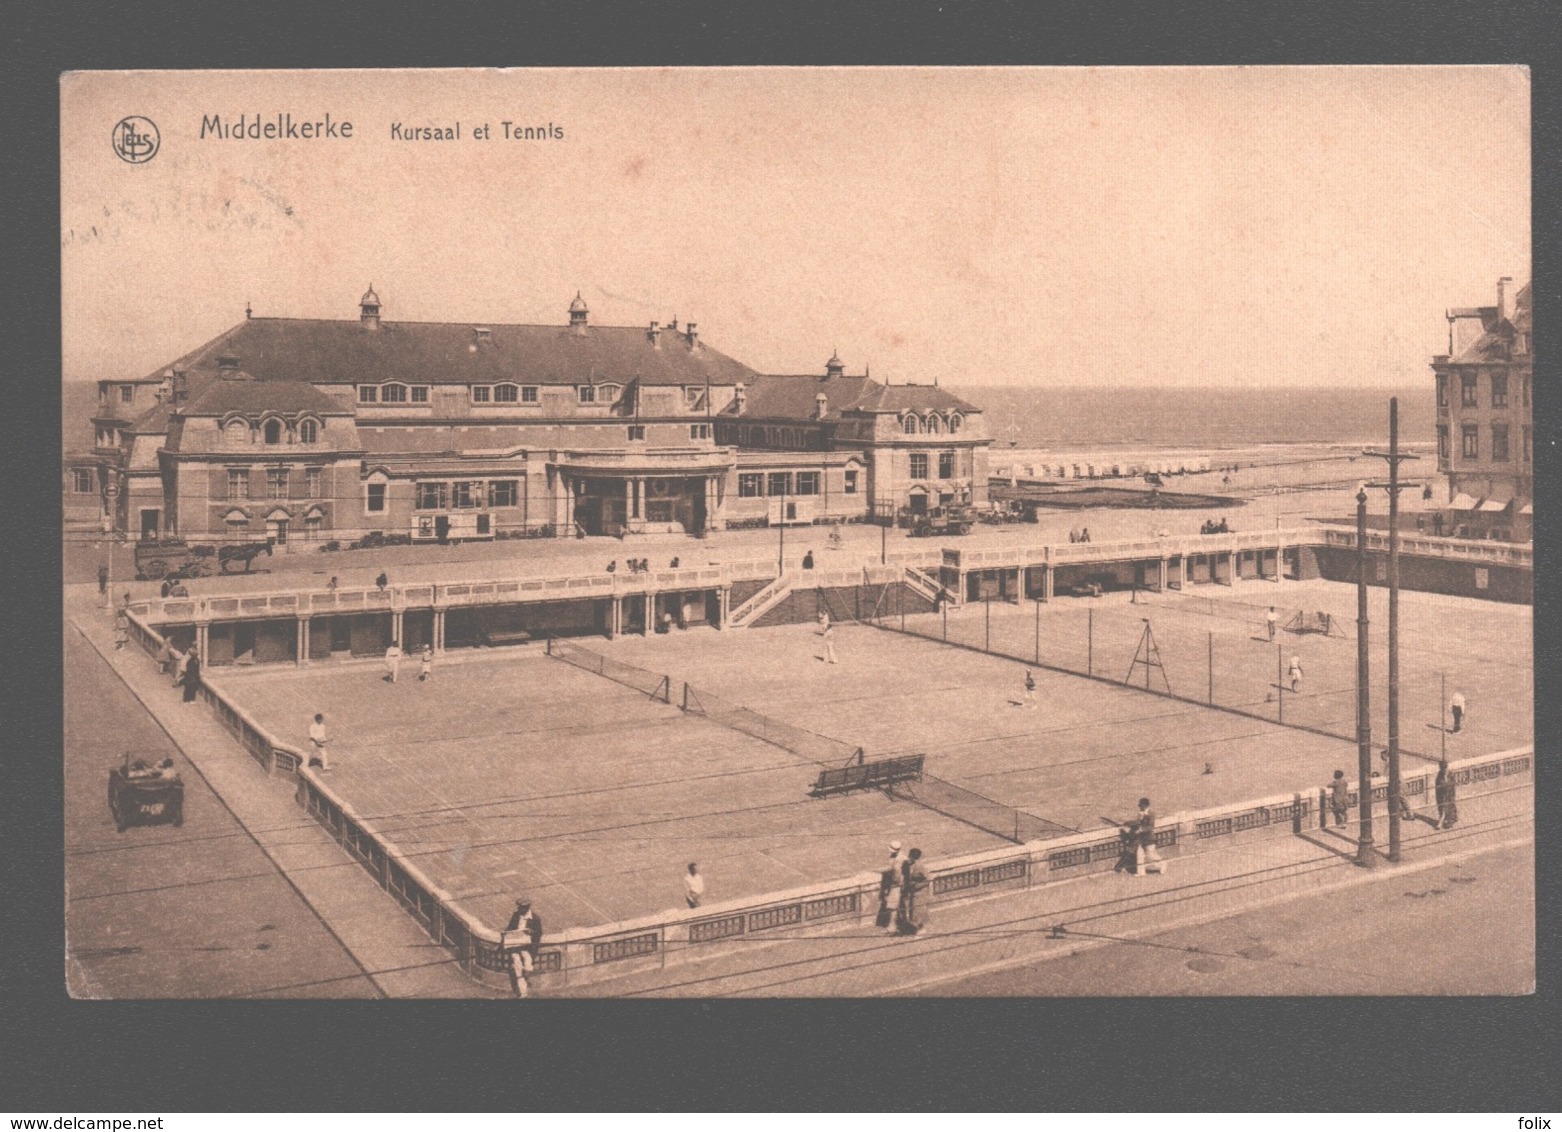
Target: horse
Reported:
[(242, 552)]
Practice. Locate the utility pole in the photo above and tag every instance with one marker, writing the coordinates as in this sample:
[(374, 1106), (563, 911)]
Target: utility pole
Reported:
[(1394, 457), (1365, 855), (781, 548)]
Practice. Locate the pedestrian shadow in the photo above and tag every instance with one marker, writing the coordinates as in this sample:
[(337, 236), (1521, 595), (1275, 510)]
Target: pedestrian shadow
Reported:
[(1331, 841)]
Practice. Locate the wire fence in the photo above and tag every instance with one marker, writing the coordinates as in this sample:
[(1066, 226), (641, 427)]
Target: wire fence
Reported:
[(1008, 822), (652, 684)]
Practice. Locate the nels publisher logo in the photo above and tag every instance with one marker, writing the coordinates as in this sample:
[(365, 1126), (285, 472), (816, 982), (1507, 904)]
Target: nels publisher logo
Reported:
[(136, 139)]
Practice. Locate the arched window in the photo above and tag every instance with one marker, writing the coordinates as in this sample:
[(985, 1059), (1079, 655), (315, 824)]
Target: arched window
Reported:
[(608, 394), (935, 423), (308, 431), (273, 431), (393, 394), (954, 422), (909, 424), (505, 394)]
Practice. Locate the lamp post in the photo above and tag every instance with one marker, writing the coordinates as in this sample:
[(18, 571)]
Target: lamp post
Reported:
[(781, 542), (1365, 856)]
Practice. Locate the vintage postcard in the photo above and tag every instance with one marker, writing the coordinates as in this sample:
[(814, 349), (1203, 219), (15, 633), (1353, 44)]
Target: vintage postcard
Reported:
[(798, 532)]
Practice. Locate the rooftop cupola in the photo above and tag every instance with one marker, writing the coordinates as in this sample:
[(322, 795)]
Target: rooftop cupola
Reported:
[(369, 309), (577, 315), (834, 367)]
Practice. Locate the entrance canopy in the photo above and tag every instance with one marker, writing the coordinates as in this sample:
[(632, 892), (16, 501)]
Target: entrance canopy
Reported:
[(1495, 506), (1463, 502)]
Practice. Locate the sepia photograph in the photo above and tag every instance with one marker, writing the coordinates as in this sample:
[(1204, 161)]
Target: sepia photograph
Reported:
[(797, 533)]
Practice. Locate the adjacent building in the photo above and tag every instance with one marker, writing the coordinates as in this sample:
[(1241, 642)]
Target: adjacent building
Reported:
[(1485, 424), (318, 429)]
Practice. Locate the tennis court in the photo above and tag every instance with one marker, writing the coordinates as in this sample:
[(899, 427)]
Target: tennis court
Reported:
[(516, 774)]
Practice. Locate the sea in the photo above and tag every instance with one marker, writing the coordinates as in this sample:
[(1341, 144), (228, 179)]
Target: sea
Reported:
[(1188, 419), (1198, 419)]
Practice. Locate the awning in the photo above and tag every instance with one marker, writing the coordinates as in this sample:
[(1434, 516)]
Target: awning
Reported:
[(1527, 509), (1496, 505), (1463, 502)]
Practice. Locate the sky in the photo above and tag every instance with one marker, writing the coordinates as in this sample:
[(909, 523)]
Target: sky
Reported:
[(1244, 227)]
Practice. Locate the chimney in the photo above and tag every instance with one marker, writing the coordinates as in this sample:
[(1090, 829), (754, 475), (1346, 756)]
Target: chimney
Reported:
[(691, 336), (740, 396), (483, 334), (369, 309), (655, 334), (181, 386), (1502, 297), (577, 315), (821, 406)]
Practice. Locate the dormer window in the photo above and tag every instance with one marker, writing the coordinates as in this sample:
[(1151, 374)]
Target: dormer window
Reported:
[(909, 425), (954, 423), (481, 395), (368, 394), (504, 394), (420, 395), (273, 431), (237, 432), (393, 394), (528, 394), (935, 423), (308, 431), (608, 393), (587, 394)]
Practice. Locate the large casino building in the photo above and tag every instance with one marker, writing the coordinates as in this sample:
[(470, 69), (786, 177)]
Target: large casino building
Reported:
[(304, 430)]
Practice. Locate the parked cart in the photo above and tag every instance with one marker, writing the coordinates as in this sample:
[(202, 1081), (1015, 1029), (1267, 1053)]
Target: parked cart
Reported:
[(140, 793)]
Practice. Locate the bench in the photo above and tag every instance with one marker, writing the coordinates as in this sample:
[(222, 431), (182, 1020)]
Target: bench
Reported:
[(506, 637), (868, 776)]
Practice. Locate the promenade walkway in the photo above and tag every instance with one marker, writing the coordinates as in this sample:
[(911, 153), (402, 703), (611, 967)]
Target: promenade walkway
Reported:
[(1066, 919), (394, 954)]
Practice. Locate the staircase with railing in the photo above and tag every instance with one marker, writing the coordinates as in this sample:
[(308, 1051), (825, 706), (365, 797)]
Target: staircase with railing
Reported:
[(761, 603)]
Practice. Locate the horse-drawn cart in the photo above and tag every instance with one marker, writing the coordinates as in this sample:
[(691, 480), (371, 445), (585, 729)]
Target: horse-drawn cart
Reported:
[(139, 794)]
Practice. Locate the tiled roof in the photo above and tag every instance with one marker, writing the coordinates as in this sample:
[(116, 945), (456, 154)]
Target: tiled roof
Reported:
[(221, 395), (327, 351), (154, 420), (791, 397)]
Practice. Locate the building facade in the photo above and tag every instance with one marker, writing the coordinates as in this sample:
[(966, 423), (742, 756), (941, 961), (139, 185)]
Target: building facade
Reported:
[(314, 429), (1485, 423)]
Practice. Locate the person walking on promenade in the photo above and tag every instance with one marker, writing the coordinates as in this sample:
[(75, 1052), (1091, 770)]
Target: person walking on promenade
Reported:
[(320, 743), (165, 658), (1339, 798), (1294, 674), (191, 679), (1149, 857), (1030, 690), (1270, 620), (102, 581), (693, 886), (808, 560), (426, 664), (915, 888), (889, 890), (1447, 794), (121, 628), (829, 645), (521, 941), (1127, 850), (393, 662), (1456, 709)]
